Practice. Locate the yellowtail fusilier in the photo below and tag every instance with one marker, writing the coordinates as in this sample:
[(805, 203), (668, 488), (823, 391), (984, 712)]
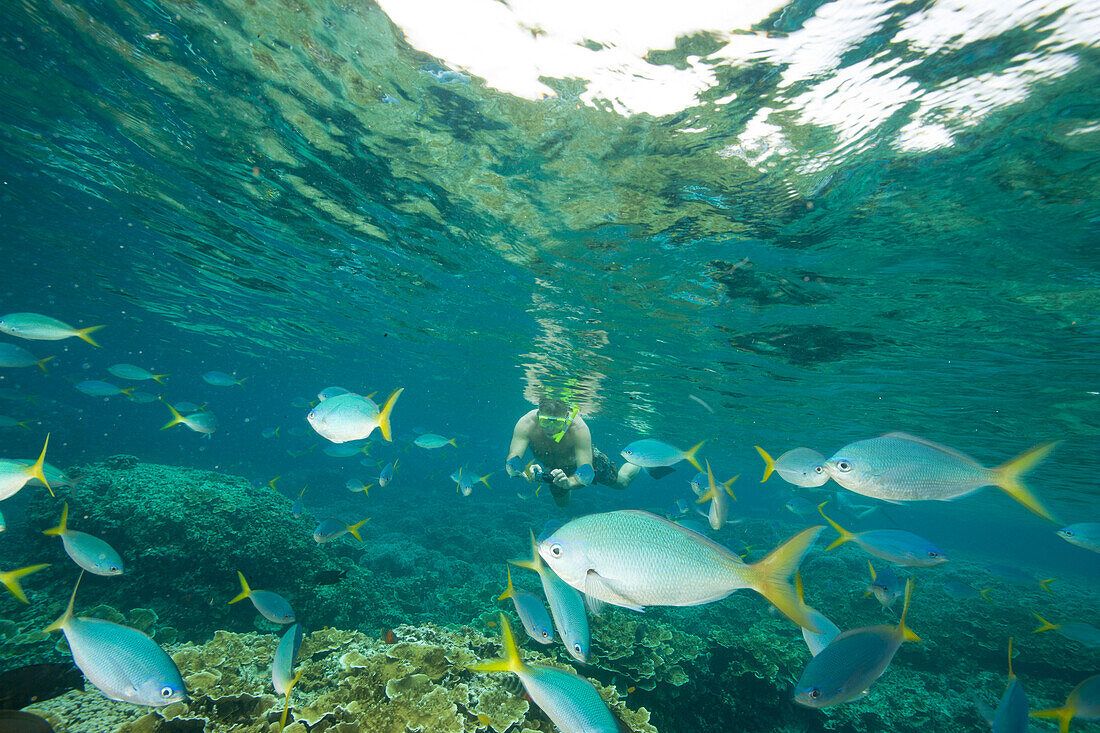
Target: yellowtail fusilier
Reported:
[(200, 422), (536, 621), (298, 508), (893, 545), (387, 473), (569, 700), (1011, 715), (328, 392), (816, 641), (566, 605), (1083, 703), (852, 661), (719, 506), (466, 481), (14, 475), (431, 441), (90, 553), (271, 606), (37, 327), (348, 417), (97, 388), (346, 450), (282, 665), (354, 484), (11, 579), (16, 357), (636, 559), (125, 664), (803, 467), (650, 453), (902, 467), (1082, 534), (331, 528), (135, 373), (1084, 634), (886, 586), (221, 379)]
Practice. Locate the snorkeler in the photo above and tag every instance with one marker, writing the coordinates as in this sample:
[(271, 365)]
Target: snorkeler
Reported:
[(562, 444)]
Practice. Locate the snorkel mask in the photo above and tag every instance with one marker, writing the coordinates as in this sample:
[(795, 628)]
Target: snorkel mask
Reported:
[(548, 423)]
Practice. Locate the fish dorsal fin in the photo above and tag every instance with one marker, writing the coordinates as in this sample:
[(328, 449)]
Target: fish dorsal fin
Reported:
[(65, 617), (872, 568), (930, 444)]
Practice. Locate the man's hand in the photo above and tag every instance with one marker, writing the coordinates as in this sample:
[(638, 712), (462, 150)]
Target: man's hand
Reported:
[(513, 467), (533, 473), (560, 479)]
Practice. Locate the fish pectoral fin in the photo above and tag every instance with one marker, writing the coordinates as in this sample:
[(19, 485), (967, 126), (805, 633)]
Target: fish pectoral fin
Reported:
[(598, 589)]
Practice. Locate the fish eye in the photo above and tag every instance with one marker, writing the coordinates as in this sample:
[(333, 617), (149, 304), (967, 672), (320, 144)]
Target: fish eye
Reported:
[(577, 648), (166, 692), (115, 569), (545, 635), (1067, 532), (844, 466), (555, 550), (933, 553), (819, 469), (815, 693)]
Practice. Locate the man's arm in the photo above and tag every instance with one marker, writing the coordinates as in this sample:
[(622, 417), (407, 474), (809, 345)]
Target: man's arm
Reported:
[(520, 441)]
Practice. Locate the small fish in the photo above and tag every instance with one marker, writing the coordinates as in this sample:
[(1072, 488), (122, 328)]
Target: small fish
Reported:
[(14, 395), (296, 509), (431, 441), (801, 466), (282, 665), (964, 591), (1084, 634), (816, 641), (11, 422), (635, 559), (467, 480), (96, 388), (270, 433), (14, 475), (11, 578), (37, 327), (902, 467), (329, 577), (852, 662), (649, 453), (349, 417), (1082, 534), (388, 636), (566, 606), (187, 407), (346, 450), (271, 606), (16, 357), (719, 507), (328, 392), (136, 373), (886, 586), (387, 473), (221, 379), (1011, 715), (90, 553), (801, 506), (1083, 703), (529, 608), (200, 422), (893, 545), (125, 664), (1016, 576), (331, 528), (354, 484), (698, 483), (569, 700), (143, 398)]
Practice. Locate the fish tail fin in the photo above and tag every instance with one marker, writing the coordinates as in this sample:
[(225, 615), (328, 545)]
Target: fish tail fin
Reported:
[(798, 587), (845, 535), (711, 493), (176, 417), (985, 594), (277, 431), (689, 455), (384, 414), (871, 567), (1046, 625), (511, 661), (535, 563), (271, 483), (1045, 582), (353, 530), (286, 707), (366, 491), (904, 631), (510, 591), (63, 619), (24, 423), (10, 579), (485, 480), (1009, 477), (35, 470), (245, 590), (771, 577), (42, 364), (62, 525), (729, 482), (129, 391), (84, 334), (1063, 715), (769, 463), (159, 378)]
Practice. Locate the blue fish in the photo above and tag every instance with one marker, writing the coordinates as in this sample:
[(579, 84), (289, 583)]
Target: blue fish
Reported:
[(531, 612), (566, 605), (893, 545), (271, 606)]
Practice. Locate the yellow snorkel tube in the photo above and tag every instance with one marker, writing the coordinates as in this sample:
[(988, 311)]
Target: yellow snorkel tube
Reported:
[(561, 433)]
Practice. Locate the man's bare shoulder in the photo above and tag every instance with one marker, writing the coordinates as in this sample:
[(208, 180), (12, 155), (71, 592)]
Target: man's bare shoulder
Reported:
[(528, 422)]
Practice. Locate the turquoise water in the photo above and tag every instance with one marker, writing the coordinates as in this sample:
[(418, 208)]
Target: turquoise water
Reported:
[(838, 220)]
